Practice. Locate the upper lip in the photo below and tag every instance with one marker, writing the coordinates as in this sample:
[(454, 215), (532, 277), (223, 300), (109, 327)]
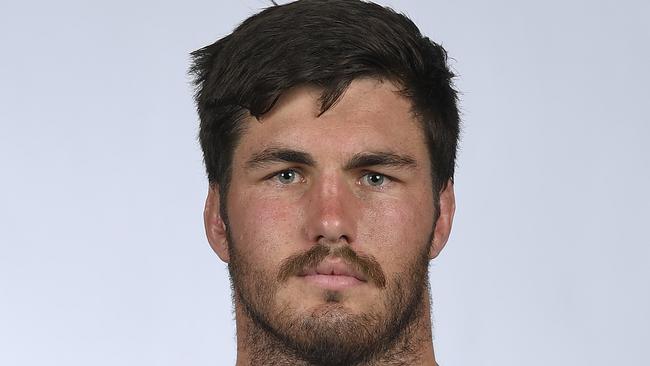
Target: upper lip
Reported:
[(335, 267)]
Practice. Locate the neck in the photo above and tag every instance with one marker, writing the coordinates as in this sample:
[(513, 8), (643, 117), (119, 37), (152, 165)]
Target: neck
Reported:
[(256, 346)]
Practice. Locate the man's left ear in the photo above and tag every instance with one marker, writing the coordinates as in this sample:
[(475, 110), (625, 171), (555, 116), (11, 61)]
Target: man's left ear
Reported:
[(445, 219)]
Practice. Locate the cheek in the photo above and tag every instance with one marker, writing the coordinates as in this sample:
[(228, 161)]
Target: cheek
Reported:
[(263, 227), (396, 230)]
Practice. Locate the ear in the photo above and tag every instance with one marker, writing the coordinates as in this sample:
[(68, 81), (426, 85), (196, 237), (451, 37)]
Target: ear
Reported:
[(215, 228), (445, 219)]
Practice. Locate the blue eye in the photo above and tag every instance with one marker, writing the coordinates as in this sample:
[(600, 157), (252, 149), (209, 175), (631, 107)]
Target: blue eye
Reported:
[(287, 176), (374, 179)]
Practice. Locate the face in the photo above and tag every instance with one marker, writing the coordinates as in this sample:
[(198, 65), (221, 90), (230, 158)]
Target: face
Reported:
[(331, 221)]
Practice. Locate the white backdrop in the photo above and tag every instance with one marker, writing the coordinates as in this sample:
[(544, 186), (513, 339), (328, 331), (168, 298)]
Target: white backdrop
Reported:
[(103, 259)]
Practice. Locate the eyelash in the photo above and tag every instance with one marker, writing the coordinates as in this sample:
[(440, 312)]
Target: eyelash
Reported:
[(274, 176), (386, 180)]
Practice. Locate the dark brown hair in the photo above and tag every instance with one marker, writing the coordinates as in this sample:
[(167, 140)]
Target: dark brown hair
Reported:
[(327, 43)]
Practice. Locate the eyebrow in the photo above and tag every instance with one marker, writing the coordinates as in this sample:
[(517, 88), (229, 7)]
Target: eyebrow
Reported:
[(272, 155), (279, 155), (380, 158)]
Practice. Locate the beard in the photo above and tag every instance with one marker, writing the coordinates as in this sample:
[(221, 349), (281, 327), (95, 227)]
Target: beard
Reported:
[(330, 334)]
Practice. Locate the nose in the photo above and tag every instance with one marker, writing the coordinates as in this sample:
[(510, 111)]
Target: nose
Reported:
[(332, 211)]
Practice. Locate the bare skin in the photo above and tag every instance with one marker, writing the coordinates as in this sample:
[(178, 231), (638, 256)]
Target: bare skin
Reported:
[(358, 177)]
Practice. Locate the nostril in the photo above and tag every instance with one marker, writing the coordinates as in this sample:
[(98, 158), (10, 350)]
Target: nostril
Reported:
[(329, 230), (333, 244)]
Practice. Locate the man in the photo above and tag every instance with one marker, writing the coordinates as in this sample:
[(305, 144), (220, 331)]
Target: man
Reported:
[(329, 132)]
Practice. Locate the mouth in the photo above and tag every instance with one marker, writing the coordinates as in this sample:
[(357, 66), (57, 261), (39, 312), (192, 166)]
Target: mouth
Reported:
[(333, 274)]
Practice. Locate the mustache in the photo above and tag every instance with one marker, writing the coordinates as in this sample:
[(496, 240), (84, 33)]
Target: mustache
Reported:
[(365, 264)]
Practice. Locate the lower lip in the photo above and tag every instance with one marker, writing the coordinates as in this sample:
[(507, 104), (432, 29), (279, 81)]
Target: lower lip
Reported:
[(333, 282)]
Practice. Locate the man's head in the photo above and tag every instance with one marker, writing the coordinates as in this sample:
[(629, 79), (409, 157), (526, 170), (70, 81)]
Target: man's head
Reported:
[(329, 131)]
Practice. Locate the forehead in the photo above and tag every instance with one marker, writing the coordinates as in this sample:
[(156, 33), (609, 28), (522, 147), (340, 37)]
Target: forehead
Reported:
[(370, 115)]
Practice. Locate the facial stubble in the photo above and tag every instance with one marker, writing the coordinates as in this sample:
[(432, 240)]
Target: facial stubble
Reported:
[(330, 335)]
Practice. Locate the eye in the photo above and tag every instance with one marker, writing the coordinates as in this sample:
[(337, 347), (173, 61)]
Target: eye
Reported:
[(374, 179), (287, 176)]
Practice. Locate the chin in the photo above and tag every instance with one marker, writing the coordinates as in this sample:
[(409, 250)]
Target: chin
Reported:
[(321, 302)]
